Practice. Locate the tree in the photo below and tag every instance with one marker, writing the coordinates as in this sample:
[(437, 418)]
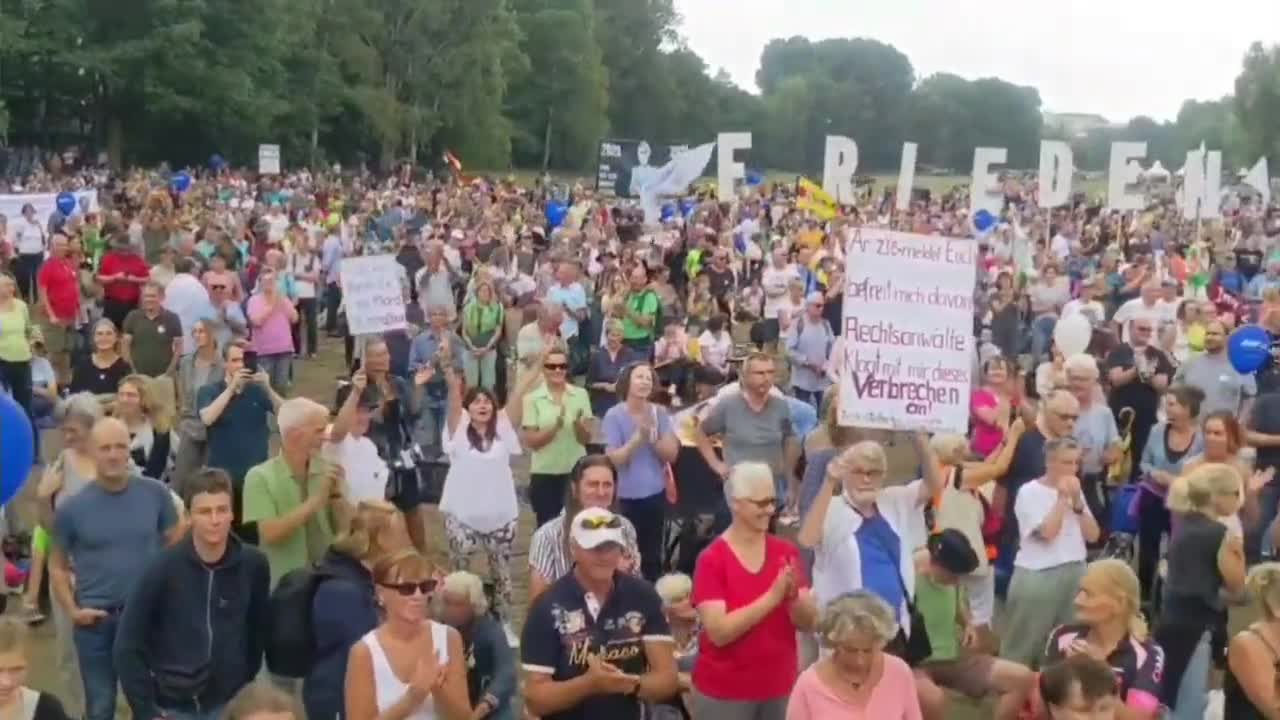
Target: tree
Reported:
[(1257, 101)]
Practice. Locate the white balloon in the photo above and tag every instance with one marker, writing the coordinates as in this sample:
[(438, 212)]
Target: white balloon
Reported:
[(1072, 334)]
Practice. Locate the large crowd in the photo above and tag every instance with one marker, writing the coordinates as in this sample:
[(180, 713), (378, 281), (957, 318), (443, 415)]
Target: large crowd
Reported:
[(709, 541)]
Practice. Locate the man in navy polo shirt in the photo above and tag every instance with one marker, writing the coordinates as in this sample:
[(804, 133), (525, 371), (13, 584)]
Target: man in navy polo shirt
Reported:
[(596, 644)]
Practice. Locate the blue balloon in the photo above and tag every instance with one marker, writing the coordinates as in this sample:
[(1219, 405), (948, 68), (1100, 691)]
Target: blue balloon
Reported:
[(668, 211), (216, 162), (687, 206), (983, 220), (556, 213), (17, 448), (66, 203), (181, 181), (1249, 349), (754, 177)]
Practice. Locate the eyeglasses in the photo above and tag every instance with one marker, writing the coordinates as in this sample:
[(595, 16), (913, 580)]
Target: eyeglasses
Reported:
[(613, 522), (555, 367), (762, 503), (424, 587)]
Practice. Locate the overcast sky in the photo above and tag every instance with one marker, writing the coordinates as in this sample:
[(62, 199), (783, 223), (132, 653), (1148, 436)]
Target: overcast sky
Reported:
[(1116, 58)]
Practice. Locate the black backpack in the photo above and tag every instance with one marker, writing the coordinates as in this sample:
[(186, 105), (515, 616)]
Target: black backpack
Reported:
[(291, 640)]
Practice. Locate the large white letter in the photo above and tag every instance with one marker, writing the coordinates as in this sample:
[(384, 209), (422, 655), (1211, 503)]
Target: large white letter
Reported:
[(1123, 174), (984, 190), (838, 166), (1202, 185), (1055, 173), (906, 176), (1259, 179), (727, 169)]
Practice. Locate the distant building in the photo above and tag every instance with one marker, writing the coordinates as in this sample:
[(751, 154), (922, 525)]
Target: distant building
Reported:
[(1074, 125)]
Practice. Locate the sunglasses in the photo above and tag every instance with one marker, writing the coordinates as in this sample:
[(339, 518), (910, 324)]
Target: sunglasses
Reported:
[(599, 523), (555, 366), (425, 587)]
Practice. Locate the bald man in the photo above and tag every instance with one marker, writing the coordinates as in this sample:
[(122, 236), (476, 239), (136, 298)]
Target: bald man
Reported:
[(108, 532)]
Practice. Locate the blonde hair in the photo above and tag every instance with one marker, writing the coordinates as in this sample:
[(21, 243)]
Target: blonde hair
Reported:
[(1264, 585), (1122, 583), (674, 588), (864, 454), (161, 419), (1194, 491), (858, 612), (364, 538), (14, 635), (403, 565), (260, 698), (469, 586), (949, 448)]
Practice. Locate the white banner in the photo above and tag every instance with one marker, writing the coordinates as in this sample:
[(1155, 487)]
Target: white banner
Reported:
[(908, 332), (268, 159), (372, 293), (44, 203)]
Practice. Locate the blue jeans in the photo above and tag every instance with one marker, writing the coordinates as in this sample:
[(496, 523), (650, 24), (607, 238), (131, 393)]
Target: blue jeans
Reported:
[(1257, 541), (1041, 335), (278, 368), (1193, 691), (429, 428), (97, 667)]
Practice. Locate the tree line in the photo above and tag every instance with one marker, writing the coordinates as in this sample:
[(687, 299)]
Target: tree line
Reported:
[(520, 83)]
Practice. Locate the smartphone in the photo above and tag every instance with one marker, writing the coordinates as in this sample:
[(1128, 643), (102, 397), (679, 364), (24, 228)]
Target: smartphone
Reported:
[(251, 361)]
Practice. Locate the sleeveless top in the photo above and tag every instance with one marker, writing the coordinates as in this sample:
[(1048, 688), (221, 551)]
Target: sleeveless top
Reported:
[(388, 689), (1236, 703)]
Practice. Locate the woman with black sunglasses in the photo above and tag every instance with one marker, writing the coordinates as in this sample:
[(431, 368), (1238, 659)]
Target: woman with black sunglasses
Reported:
[(407, 645), (556, 430)]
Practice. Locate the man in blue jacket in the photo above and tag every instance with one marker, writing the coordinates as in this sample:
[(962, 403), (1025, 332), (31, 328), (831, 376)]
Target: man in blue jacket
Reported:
[(191, 634)]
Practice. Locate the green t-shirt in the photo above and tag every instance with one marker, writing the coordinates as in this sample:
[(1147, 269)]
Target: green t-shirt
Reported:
[(540, 413), (271, 492), (939, 604), (645, 303)]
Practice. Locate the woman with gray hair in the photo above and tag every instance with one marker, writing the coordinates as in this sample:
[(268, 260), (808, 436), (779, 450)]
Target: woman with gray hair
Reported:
[(752, 596), (856, 677), (491, 667)]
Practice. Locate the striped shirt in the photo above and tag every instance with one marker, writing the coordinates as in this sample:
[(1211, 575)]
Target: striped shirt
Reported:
[(550, 559)]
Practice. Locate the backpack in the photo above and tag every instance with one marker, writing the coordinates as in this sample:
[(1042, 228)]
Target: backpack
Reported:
[(291, 642)]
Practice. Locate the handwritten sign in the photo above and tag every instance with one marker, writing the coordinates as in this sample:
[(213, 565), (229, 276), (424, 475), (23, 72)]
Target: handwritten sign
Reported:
[(908, 332), (372, 293), (268, 159)]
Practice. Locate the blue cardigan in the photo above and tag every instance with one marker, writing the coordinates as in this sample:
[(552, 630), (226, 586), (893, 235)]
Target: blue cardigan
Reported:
[(1153, 454)]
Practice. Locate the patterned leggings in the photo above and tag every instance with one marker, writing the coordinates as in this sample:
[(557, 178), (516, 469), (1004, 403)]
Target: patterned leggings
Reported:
[(497, 544)]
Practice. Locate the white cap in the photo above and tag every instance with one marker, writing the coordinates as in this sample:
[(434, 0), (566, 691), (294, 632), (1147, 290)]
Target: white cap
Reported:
[(594, 527)]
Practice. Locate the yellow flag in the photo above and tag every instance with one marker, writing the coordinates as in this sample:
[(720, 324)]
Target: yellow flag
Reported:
[(811, 197)]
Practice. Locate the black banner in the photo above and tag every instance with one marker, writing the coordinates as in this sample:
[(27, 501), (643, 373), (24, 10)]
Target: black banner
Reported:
[(625, 165)]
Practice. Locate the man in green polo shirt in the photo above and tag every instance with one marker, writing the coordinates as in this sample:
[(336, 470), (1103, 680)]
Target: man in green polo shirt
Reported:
[(641, 318), (297, 497)]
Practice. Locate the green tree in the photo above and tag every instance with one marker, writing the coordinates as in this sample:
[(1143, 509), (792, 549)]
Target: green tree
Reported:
[(1257, 101)]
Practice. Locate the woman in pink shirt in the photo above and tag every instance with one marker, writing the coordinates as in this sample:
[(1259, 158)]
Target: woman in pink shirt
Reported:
[(272, 315), (856, 679), (993, 406)]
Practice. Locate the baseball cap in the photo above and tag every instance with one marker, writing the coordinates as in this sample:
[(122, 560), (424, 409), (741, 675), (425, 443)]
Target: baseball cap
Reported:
[(594, 527), (952, 551)]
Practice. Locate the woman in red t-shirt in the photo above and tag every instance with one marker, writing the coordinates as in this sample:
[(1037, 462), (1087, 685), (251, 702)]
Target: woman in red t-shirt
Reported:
[(752, 596)]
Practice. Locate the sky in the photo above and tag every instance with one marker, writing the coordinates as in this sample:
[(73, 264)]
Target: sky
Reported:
[(1115, 58)]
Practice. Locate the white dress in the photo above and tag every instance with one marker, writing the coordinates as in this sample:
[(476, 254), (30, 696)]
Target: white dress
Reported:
[(388, 689), (479, 490)]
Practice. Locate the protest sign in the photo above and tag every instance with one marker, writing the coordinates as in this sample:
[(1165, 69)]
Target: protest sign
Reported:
[(268, 159), (372, 293), (44, 203), (908, 331), (625, 167)]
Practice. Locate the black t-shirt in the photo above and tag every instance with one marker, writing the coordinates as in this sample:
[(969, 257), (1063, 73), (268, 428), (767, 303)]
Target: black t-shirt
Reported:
[(1265, 419), (1248, 262), (1193, 579), (561, 633), (1137, 394), (721, 282), (87, 377), (1138, 666), (833, 311), (1026, 465)]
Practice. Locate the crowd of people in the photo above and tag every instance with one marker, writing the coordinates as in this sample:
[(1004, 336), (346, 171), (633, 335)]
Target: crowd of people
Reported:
[(708, 541)]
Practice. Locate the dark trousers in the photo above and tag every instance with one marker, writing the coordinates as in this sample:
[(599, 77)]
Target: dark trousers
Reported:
[(1153, 523), (17, 377), (306, 322), (25, 269), (642, 346), (812, 397), (332, 299), (649, 516), (1097, 496), (116, 311), (546, 495)]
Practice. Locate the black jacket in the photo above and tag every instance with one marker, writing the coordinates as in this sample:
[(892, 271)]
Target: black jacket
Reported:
[(192, 635), (343, 609)]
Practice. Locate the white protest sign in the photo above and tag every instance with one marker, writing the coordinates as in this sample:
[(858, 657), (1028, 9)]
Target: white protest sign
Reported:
[(1124, 174), (1056, 165), (840, 164), (44, 203), (727, 169), (984, 190), (268, 159), (372, 293), (1202, 185), (908, 332), (906, 175)]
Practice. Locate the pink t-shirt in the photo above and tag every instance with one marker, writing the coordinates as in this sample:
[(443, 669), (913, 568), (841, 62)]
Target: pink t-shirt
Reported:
[(275, 335), (986, 436), (893, 698), (735, 672)]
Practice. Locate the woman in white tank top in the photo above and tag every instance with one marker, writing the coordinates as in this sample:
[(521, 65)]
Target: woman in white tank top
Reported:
[(409, 667)]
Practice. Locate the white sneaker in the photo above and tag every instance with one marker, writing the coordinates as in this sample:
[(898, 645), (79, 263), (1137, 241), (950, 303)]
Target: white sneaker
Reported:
[(513, 640)]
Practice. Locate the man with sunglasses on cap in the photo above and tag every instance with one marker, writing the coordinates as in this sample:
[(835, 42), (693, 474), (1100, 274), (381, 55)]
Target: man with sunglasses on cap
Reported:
[(596, 644)]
